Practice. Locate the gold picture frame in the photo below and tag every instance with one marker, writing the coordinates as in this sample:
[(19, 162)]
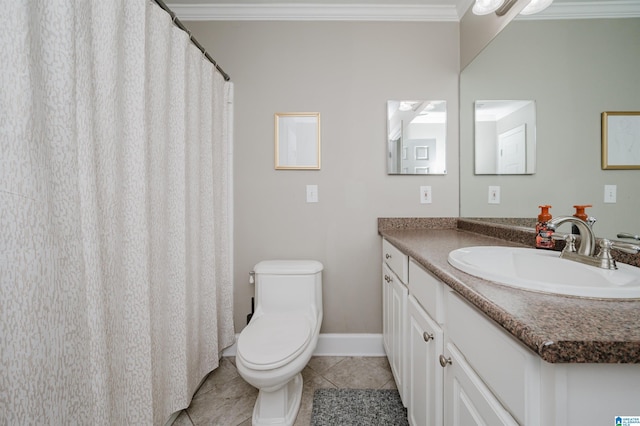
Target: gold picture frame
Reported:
[(297, 141), (620, 140)]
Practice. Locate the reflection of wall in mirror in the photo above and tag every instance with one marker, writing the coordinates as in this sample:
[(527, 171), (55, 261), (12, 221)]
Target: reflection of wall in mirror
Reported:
[(486, 135)]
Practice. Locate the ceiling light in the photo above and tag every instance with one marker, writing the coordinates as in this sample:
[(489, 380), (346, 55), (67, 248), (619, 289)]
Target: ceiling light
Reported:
[(536, 6), (485, 7)]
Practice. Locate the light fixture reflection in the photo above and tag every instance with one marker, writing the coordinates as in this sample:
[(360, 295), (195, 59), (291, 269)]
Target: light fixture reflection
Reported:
[(485, 7), (536, 6), (501, 7)]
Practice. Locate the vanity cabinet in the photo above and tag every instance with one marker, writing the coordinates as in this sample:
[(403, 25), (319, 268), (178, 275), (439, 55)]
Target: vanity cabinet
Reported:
[(438, 386), (394, 301), (461, 367)]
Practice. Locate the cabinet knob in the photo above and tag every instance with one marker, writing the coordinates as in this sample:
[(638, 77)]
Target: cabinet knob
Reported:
[(426, 336), (444, 361), (387, 278), (387, 256)]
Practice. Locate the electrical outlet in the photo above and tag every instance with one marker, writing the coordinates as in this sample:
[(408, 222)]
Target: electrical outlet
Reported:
[(494, 195), (425, 194), (312, 193), (610, 193)]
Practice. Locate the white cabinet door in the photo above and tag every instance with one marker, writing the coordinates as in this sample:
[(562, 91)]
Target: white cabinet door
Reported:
[(386, 309), (398, 326), (424, 375), (468, 401)]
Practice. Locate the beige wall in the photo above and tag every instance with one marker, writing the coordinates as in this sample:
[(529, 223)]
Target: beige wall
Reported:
[(346, 71), (574, 70)]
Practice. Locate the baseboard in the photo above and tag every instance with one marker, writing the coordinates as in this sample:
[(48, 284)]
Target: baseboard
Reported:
[(340, 344)]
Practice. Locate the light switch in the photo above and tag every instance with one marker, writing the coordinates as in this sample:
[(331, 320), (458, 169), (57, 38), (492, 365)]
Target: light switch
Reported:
[(494, 195), (312, 193), (610, 193), (425, 194)]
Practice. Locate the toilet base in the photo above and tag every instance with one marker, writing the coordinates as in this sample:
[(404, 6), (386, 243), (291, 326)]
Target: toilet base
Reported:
[(279, 407)]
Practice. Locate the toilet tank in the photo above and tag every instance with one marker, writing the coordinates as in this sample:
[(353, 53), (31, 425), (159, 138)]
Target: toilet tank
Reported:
[(288, 285)]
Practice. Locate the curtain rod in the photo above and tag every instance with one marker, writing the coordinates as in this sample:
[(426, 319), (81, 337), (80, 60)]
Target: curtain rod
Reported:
[(179, 24)]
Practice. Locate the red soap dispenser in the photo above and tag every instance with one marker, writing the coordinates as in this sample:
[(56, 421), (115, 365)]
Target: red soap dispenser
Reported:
[(543, 233)]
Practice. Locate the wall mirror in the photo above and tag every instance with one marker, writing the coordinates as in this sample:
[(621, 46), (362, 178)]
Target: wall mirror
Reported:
[(570, 99), (505, 137), (297, 141), (416, 137)]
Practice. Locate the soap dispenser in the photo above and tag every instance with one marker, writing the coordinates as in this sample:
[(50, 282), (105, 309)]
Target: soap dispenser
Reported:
[(543, 233), (580, 214)]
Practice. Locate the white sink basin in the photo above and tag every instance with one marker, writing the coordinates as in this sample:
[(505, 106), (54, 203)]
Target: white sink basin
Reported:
[(544, 271)]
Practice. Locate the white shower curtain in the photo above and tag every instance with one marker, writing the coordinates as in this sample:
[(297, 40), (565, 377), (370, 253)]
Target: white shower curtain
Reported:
[(115, 224)]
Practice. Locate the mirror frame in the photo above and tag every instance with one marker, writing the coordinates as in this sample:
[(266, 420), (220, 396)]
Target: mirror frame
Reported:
[(283, 120)]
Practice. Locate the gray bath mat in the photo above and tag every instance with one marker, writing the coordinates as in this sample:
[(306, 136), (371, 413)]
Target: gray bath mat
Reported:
[(358, 407)]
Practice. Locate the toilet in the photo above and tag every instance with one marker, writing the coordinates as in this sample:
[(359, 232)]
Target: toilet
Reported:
[(279, 340)]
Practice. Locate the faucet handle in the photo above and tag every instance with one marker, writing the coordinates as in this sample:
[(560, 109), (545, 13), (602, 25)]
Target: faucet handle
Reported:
[(606, 261), (570, 240), (627, 235), (605, 249), (625, 247), (591, 221)]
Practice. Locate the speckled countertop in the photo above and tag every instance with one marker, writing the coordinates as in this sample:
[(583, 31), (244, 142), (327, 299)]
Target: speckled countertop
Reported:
[(560, 329)]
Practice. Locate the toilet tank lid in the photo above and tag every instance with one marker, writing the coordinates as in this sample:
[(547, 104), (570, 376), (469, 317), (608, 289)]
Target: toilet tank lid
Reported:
[(288, 267)]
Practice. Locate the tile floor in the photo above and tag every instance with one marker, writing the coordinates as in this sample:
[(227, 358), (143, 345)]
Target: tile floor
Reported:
[(224, 399)]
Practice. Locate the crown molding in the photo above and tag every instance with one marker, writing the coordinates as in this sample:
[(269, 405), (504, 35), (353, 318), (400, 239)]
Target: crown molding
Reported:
[(587, 10), (314, 12), (387, 12)]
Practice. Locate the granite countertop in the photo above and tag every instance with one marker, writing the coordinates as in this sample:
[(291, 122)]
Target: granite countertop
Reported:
[(560, 329)]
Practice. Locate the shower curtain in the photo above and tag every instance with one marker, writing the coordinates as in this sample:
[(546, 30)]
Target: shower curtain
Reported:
[(115, 213)]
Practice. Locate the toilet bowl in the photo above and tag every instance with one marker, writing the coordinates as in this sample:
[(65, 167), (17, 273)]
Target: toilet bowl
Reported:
[(279, 340)]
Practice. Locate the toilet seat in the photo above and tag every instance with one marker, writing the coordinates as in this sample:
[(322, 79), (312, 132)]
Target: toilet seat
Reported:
[(271, 340)]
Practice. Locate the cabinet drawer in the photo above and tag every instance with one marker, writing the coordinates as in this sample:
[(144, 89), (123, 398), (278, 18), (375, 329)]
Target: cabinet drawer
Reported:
[(397, 261), (508, 368), (428, 291)]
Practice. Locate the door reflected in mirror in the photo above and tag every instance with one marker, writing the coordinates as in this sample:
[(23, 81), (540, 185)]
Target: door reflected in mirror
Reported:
[(416, 137), (505, 137)]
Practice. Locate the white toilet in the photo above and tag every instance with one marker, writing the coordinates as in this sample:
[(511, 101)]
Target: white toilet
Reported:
[(279, 340)]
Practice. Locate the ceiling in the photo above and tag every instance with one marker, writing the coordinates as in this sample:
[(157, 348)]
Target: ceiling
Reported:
[(382, 10)]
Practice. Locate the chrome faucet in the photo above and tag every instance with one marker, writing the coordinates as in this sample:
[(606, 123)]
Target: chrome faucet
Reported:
[(587, 237), (586, 252)]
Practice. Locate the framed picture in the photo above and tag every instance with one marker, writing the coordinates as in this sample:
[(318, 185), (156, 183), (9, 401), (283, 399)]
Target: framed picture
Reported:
[(620, 140), (297, 141)]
